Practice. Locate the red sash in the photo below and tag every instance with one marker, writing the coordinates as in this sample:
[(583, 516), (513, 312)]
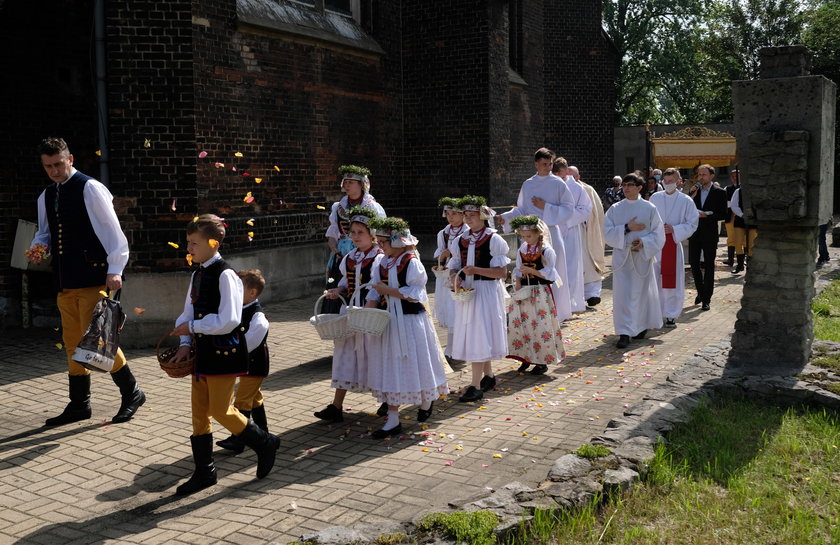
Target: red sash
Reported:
[(669, 262)]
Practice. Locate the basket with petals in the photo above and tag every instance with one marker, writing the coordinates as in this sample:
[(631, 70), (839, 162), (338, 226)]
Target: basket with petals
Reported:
[(440, 270), (330, 327), (371, 321), (524, 292), (174, 369), (462, 294)]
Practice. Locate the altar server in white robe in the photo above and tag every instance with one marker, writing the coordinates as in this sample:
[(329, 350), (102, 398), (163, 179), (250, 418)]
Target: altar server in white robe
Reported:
[(679, 216), (573, 233), (546, 196), (594, 262), (634, 230)]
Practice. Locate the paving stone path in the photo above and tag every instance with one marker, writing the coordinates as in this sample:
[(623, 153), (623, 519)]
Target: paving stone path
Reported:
[(95, 482)]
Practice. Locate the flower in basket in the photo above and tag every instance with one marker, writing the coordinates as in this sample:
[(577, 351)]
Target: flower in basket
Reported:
[(36, 253)]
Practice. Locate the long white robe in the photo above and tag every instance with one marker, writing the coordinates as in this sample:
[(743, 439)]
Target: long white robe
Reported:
[(635, 295), (559, 207), (573, 241), (594, 263), (679, 211)]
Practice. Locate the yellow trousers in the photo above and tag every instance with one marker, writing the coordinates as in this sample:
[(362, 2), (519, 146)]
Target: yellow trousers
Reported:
[(76, 308), (730, 231), (248, 395), (742, 240), (212, 397)]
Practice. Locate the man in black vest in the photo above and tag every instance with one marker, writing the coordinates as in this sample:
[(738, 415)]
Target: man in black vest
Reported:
[(711, 207), (77, 223)]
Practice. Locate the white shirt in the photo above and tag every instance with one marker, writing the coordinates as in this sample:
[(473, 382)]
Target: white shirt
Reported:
[(257, 330), (230, 306), (103, 219)]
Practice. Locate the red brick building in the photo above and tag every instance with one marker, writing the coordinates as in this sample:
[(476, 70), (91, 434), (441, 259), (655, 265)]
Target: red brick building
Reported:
[(436, 98)]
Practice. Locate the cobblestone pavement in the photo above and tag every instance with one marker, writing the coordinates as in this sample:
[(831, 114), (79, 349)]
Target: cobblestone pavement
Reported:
[(96, 482)]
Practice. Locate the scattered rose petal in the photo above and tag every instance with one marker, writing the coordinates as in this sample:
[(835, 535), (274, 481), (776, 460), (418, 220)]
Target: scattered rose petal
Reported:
[(319, 207), (138, 311), (258, 180), (102, 293), (98, 153), (219, 165), (497, 455), (459, 447), (449, 462), (202, 155), (174, 245), (147, 143), (213, 243), (59, 346), (238, 154), (485, 465), (189, 258), (276, 168), (249, 198), (424, 449), (250, 222), (293, 506)]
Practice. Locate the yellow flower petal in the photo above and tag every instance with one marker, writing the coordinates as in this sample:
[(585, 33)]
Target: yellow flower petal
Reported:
[(251, 234), (213, 243), (250, 222), (173, 244), (99, 153), (258, 180), (425, 449), (319, 207), (276, 168), (238, 154), (459, 447), (59, 346), (195, 219), (497, 456), (189, 259)]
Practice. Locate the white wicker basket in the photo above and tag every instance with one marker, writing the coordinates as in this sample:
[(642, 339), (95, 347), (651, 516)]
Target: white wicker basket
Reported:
[(330, 327), (463, 295), (440, 270), (371, 321)]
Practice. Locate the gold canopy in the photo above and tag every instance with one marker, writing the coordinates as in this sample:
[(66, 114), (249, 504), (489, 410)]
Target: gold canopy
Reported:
[(693, 146)]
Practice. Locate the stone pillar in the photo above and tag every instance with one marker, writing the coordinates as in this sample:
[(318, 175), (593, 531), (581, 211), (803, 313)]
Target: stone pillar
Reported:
[(784, 124)]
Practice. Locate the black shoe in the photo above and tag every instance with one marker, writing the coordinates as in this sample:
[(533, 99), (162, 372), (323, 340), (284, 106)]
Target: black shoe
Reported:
[(487, 384), (383, 433), (623, 341), (472, 394), (264, 444), (524, 367), (132, 396), (641, 335), (539, 370), (330, 414), (204, 475), (79, 406), (698, 300), (706, 307), (730, 256), (382, 410), (670, 323), (593, 301), (233, 443), (424, 414), (739, 266)]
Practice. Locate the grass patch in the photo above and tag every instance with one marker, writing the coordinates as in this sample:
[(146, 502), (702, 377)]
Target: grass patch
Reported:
[(826, 307), (593, 451), (828, 361), (473, 528), (391, 539), (738, 472)]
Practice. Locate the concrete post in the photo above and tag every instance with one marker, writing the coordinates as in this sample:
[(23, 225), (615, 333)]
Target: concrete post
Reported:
[(784, 124)]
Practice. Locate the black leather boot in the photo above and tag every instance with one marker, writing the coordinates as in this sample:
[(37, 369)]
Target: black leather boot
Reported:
[(258, 415), (730, 256), (132, 396), (233, 443), (264, 444), (79, 406), (204, 475), (740, 266)]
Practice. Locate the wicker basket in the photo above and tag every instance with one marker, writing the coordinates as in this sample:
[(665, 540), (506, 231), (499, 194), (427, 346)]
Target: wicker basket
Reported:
[(175, 370), (525, 292), (463, 295), (440, 270), (371, 321), (330, 327)]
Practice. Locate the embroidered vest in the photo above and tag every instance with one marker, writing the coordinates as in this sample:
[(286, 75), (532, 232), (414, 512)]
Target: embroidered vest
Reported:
[(215, 354), (79, 259), (482, 254), (350, 264), (535, 261)]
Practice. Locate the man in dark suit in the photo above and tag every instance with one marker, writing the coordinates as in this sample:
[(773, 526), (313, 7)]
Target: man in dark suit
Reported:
[(711, 207)]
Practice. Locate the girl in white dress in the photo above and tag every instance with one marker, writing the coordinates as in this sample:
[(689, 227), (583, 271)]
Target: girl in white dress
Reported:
[(480, 329), (350, 355), (408, 367), (444, 305), (356, 186), (534, 334)]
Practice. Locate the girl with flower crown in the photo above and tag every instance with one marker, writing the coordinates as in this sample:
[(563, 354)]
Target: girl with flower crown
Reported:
[(355, 183), (444, 305), (534, 335), (350, 355), (480, 330), (408, 368)]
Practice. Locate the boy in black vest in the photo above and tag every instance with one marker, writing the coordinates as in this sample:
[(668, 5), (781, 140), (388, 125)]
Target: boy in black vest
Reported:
[(249, 398), (212, 314), (78, 226)]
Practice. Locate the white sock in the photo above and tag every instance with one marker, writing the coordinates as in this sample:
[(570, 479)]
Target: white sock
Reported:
[(425, 405), (393, 420)]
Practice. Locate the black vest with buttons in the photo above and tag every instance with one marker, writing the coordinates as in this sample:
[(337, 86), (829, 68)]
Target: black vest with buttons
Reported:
[(258, 357), (482, 255), (216, 355), (79, 259), (535, 261), (408, 307)]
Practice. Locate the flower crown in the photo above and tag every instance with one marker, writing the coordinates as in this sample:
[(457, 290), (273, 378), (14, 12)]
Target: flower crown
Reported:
[(448, 202), (354, 169), (386, 226), (361, 214), (525, 223)]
